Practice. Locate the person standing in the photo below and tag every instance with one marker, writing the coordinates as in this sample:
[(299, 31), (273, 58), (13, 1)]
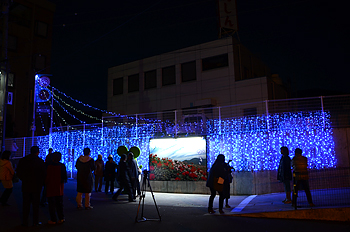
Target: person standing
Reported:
[(6, 175), (227, 183), (55, 178), (135, 172), (284, 173), (99, 173), (216, 180), (110, 174), (301, 176), (14, 148), (48, 161), (124, 179), (31, 170), (85, 166)]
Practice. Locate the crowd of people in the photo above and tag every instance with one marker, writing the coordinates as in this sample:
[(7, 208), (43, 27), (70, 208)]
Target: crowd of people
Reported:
[(43, 181)]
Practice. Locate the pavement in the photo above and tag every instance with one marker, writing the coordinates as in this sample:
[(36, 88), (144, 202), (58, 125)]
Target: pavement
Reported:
[(253, 206)]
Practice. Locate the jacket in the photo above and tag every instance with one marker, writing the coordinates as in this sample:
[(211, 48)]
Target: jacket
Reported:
[(284, 169), (32, 171), (124, 172), (85, 165), (99, 167), (299, 164), (55, 178), (110, 171), (6, 170), (217, 170)]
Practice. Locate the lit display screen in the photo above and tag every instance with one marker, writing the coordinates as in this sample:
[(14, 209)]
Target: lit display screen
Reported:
[(178, 159)]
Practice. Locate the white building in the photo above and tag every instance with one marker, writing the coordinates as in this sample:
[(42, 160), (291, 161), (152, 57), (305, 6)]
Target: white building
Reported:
[(213, 74)]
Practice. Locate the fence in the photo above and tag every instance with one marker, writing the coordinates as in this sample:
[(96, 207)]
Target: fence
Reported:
[(328, 187), (250, 134)]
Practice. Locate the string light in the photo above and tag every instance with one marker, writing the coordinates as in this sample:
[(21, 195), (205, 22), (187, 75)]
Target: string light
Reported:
[(104, 111), (250, 142), (59, 115), (76, 110), (84, 104), (42, 123), (65, 110)]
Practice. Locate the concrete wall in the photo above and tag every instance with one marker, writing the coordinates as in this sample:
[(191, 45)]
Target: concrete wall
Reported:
[(180, 187), (341, 138), (244, 183)]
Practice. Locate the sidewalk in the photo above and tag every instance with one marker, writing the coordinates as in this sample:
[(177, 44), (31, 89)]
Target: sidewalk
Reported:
[(260, 206)]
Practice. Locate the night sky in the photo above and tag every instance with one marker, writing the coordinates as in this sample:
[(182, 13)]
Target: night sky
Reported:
[(305, 42)]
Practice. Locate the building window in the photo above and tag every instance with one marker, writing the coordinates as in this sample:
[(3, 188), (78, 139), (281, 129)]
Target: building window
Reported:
[(20, 14), (151, 79), (133, 83), (168, 76), (215, 62), (250, 111), (188, 71), (41, 29), (118, 86)]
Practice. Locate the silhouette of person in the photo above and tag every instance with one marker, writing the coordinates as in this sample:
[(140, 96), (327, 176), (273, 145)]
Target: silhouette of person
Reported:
[(284, 174)]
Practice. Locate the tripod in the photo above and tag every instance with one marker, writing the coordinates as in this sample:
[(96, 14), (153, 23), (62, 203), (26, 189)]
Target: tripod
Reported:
[(145, 181)]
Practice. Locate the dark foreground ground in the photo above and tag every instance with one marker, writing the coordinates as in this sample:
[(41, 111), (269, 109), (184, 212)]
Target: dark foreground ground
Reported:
[(179, 212)]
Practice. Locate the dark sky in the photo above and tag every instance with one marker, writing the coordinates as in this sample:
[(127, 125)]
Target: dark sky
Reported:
[(305, 42)]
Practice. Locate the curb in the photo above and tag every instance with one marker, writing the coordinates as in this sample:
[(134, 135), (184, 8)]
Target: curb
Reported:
[(326, 214)]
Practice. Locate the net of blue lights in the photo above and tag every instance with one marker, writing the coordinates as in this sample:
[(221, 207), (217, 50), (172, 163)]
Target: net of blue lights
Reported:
[(252, 143)]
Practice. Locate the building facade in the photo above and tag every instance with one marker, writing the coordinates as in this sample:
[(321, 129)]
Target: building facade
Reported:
[(214, 74), (29, 29)]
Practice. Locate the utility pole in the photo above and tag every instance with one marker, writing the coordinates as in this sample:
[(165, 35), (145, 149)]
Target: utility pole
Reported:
[(5, 66)]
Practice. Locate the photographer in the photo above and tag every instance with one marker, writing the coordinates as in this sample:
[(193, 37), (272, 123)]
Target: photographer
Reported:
[(124, 179)]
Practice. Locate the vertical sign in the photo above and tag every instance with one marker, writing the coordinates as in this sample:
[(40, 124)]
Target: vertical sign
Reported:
[(228, 14)]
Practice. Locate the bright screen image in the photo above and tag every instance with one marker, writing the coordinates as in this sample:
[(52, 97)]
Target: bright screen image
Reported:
[(178, 159)]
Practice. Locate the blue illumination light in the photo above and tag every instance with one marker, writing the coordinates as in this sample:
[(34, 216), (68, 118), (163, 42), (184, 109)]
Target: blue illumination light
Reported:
[(252, 143)]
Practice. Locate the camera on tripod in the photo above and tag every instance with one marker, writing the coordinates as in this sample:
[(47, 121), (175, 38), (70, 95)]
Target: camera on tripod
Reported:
[(146, 183), (145, 172)]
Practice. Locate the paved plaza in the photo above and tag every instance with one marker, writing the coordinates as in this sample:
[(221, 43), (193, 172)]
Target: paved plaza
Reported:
[(109, 215)]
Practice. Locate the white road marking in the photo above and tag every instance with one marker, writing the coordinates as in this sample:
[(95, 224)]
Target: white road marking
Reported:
[(243, 204)]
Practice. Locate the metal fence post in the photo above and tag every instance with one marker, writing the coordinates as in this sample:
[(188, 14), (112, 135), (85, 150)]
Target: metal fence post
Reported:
[(102, 133), (24, 146), (219, 120), (175, 123), (322, 106), (136, 126), (84, 136), (267, 114)]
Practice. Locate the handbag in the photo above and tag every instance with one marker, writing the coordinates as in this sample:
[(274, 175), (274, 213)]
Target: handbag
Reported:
[(219, 184)]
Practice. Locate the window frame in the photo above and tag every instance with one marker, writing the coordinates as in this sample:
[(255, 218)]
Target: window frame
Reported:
[(171, 81), (184, 67), (150, 82)]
